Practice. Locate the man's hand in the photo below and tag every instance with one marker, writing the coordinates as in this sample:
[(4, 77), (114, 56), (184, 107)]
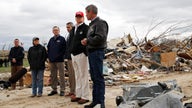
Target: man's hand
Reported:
[(14, 60), (84, 41)]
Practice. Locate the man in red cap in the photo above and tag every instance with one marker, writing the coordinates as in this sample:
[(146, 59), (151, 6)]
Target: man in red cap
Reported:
[(80, 60)]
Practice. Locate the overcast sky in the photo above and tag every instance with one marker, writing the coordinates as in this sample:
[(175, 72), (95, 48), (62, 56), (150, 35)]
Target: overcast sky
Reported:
[(27, 18)]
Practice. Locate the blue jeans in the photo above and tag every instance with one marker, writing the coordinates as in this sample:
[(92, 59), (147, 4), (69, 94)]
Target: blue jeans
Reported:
[(37, 81), (96, 71)]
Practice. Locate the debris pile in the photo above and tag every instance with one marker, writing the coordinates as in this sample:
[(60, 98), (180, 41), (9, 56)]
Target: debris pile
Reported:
[(130, 62)]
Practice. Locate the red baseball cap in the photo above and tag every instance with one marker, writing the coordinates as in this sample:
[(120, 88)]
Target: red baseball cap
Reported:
[(79, 14)]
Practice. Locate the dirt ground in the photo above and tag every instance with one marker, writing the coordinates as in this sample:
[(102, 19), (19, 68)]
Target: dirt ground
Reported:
[(21, 99)]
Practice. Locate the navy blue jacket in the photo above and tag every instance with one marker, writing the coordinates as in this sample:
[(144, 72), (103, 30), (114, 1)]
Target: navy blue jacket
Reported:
[(18, 54), (56, 49)]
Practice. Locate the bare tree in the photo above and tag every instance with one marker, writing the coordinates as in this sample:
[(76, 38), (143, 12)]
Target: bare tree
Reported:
[(167, 32)]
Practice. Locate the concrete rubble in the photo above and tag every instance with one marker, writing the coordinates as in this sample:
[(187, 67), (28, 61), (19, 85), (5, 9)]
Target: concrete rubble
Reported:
[(151, 96)]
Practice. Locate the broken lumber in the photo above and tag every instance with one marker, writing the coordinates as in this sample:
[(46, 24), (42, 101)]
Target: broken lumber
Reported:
[(151, 62)]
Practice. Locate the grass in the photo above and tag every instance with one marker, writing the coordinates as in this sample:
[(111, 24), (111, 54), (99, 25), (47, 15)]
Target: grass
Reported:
[(8, 69)]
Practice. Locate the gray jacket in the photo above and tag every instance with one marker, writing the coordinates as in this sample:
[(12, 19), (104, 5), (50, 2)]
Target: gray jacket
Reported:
[(97, 34)]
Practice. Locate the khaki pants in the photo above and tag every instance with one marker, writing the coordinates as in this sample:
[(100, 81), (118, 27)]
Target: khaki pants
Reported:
[(71, 76), (80, 64), (14, 70), (55, 68)]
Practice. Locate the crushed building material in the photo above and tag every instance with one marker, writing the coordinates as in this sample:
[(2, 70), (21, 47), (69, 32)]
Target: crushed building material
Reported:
[(160, 95)]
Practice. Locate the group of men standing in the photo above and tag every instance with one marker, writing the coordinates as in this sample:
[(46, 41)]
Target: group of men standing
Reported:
[(84, 51)]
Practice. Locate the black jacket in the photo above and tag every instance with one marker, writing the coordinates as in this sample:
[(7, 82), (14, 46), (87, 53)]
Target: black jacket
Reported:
[(97, 34), (37, 56), (68, 47), (76, 46), (56, 49), (18, 54)]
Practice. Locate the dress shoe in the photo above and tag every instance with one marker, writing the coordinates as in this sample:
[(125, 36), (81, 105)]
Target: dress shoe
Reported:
[(39, 95), (75, 99), (92, 105), (62, 93), (83, 101), (33, 95), (52, 93)]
